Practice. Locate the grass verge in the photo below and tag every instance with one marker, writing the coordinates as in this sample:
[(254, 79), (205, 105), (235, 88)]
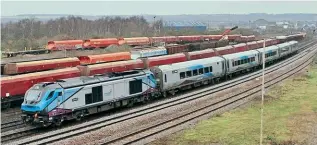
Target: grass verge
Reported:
[(290, 116)]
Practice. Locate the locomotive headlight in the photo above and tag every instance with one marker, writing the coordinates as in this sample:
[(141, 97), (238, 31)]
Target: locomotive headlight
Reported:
[(51, 118)]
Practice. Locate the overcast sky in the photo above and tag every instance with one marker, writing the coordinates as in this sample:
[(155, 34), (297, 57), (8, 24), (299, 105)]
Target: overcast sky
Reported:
[(9, 8)]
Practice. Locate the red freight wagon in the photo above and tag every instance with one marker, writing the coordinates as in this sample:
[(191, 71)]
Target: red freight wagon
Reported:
[(136, 41), (103, 68), (175, 48), (240, 47), (34, 66), (166, 39), (260, 43), (162, 60), (19, 84), (64, 45), (224, 50), (275, 41), (252, 45), (251, 38), (100, 43), (268, 42), (212, 37), (243, 39), (201, 54), (90, 59), (190, 38), (232, 38)]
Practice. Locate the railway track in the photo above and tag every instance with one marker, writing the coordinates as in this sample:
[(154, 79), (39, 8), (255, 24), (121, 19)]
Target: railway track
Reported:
[(212, 108), (12, 125), (134, 113)]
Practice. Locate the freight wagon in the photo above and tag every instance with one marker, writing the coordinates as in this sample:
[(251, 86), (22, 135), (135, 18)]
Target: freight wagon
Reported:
[(83, 96), (132, 64)]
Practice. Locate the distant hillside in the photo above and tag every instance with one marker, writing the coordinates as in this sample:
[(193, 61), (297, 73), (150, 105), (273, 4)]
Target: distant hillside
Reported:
[(203, 17)]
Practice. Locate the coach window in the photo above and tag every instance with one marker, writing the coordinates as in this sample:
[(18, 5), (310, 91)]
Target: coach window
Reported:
[(188, 74), (201, 71), (249, 59), (239, 62), (182, 75), (210, 68), (206, 69), (195, 72), (245, 60)]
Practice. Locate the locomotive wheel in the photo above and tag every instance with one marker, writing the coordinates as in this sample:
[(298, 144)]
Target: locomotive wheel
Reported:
[(58, 123), (79, 116)]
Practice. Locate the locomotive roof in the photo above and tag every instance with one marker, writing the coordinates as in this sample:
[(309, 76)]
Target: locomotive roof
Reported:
[(190, 63), (85, 80)]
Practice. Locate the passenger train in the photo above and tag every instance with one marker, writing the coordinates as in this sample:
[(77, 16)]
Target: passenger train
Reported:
[(51, 103)]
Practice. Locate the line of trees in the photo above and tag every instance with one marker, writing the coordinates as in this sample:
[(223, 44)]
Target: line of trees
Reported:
[(32, 33)]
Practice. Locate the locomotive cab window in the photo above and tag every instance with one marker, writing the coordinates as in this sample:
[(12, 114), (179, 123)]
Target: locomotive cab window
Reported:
[(210, 68), (135, 86), (182, 75), (50, 95)]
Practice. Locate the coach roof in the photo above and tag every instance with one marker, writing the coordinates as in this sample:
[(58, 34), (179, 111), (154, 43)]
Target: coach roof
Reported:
[(187, 64)]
